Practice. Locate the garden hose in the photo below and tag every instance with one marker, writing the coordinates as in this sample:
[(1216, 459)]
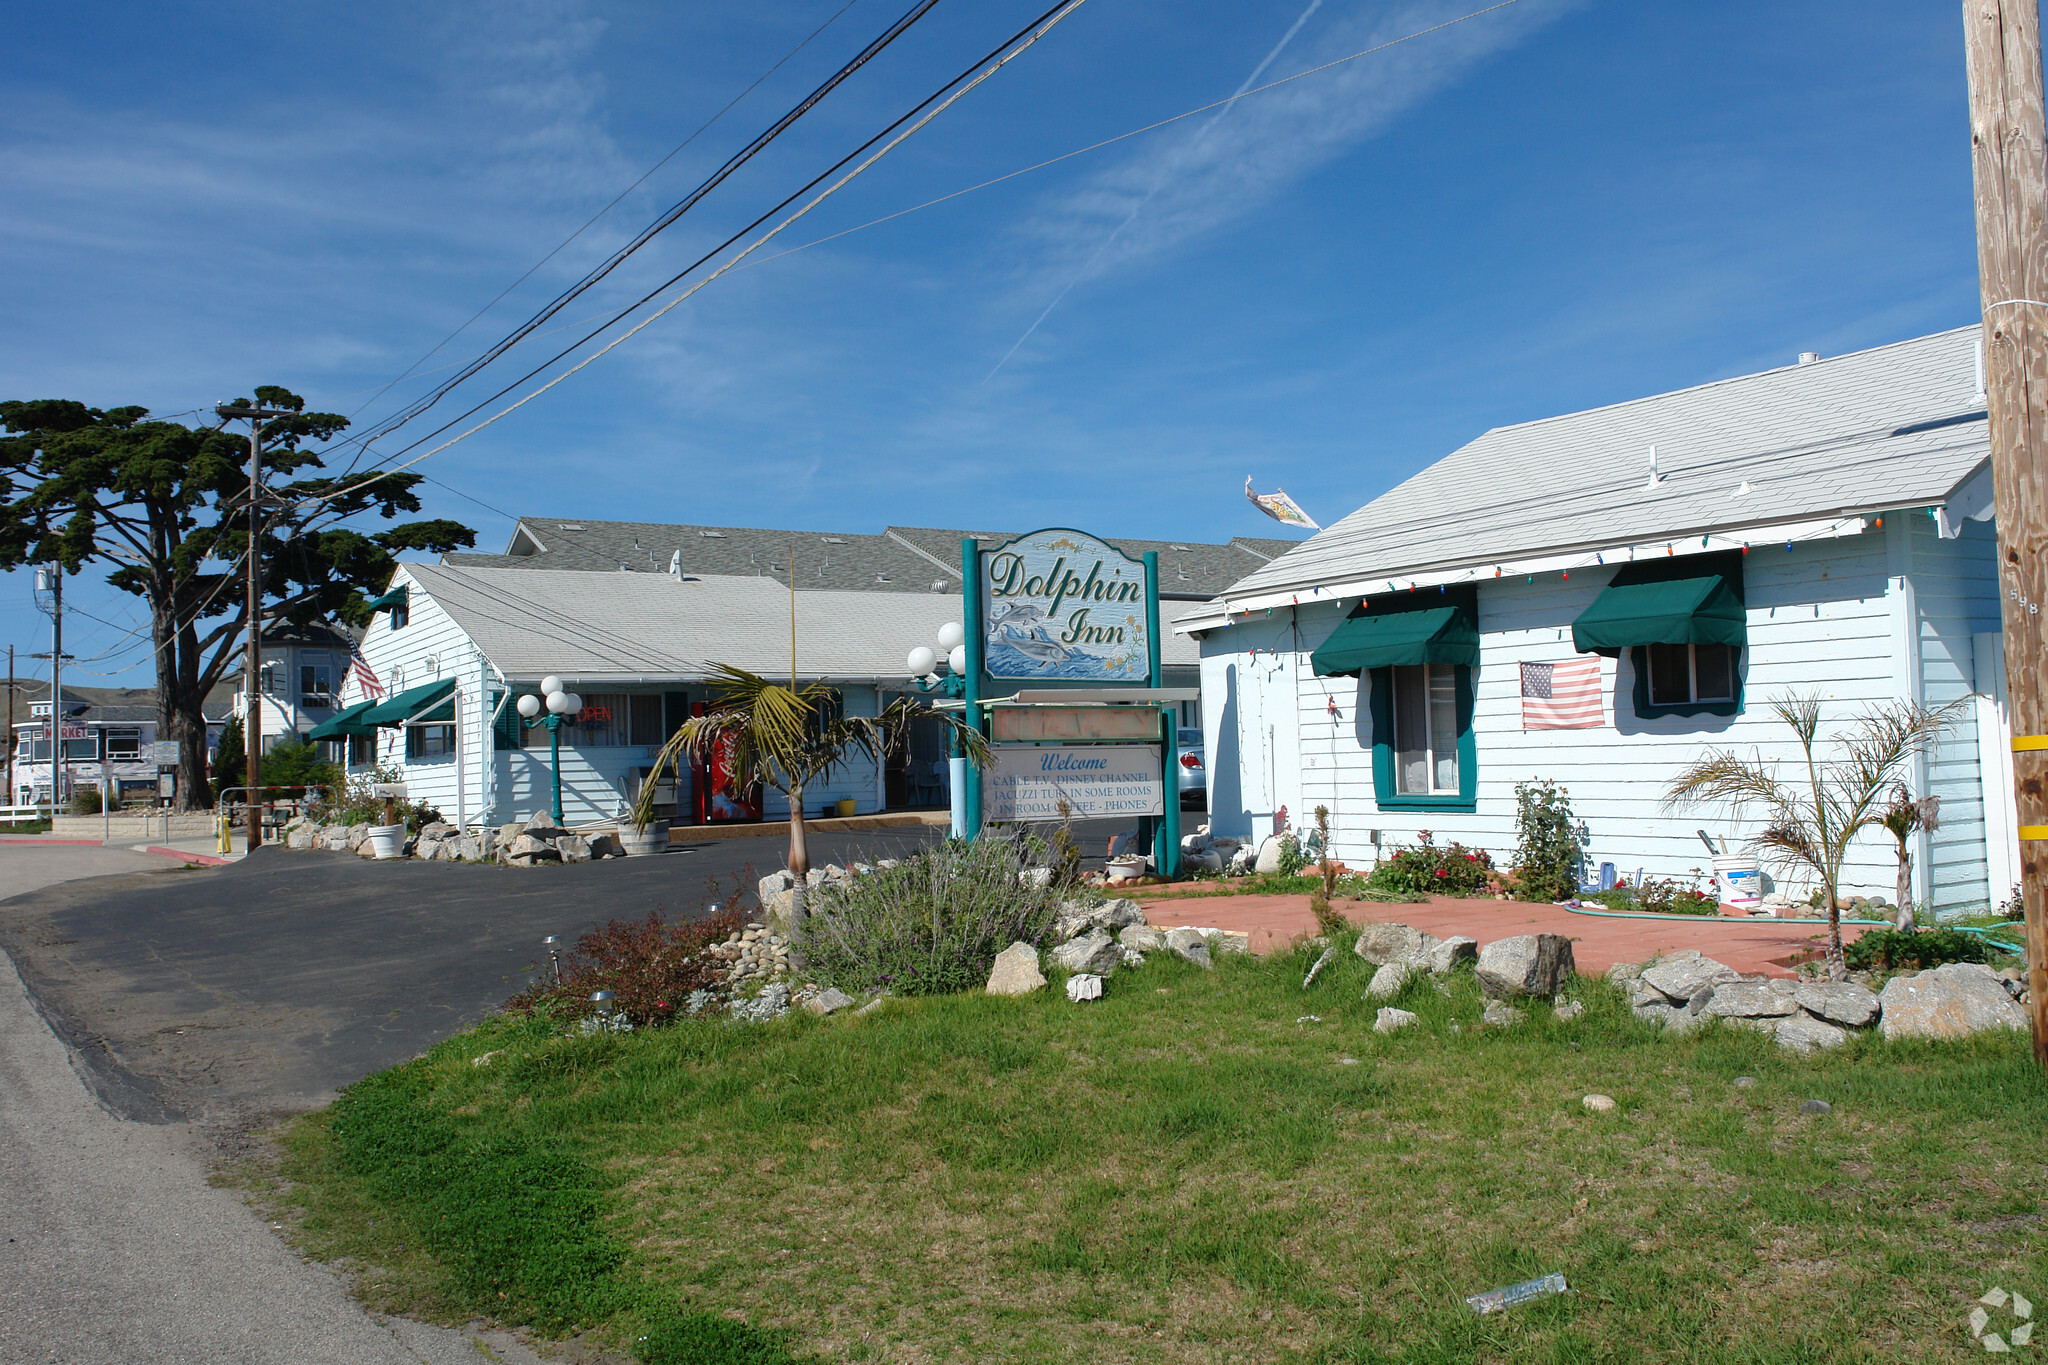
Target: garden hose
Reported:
[(1695, 919)]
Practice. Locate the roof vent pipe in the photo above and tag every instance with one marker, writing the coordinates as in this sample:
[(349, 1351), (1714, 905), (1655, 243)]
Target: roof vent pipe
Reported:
[(1655, 477), (1808, 357)]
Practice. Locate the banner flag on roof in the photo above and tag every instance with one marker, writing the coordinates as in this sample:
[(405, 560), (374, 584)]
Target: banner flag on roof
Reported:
[(1562, 696), (1280, 507)]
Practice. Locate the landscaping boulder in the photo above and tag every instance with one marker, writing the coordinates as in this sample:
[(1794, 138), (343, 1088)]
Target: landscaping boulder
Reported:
[(1084, 986), (1190, 946), (1950, 1001), (1016, 971), (541, 823), (1747, 1000), (1095, 951), (1228, 942), (773, 883), (1838, 1002), (1380, 944), (1142, 938), (1388, 980), (1389, 1019), (573, 848), (828, 1001), (1268, 858), (1804, 1033), (528, 849), (1599, 1104), (1448, 953), (1624, 974), (1527, 964), (1683, 975), (1567, 1011), (1075, 918)]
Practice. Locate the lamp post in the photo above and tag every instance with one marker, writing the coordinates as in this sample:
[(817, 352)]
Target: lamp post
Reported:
[(926, 664), (561, 709)]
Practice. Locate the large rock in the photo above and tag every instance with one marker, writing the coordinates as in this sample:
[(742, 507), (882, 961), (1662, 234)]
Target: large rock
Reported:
[(1268, 858), (1190, 946), (532, 846), (573, 848), (1681, 976), (1380, 944), (828, 1001), (773, 883), (1950, 1001), (1447, 954), (1016, 971), (543, 824), (1388, 980), (1804, 1033), (1095, 951), (1084, 986), (1748, 1000), (1527, 964), (775, 910), (1838, 1002), (1075, 918), (1142, 938)]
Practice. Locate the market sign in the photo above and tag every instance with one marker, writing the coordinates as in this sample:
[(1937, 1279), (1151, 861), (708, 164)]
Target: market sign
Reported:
[(1028, 782), (1062, 604)]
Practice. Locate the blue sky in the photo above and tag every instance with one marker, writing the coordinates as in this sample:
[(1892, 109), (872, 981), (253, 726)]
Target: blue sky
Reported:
[(1560, 204)]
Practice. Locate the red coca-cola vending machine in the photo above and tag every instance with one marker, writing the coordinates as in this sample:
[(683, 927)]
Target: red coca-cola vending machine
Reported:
[(717, 794)]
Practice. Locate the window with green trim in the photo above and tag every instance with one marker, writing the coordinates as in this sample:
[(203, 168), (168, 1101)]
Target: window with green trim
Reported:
[(1424, 756), (1687, 680)]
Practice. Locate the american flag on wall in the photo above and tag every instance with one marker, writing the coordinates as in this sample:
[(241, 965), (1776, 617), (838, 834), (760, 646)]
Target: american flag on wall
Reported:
[(1562, 696), (366, 678)]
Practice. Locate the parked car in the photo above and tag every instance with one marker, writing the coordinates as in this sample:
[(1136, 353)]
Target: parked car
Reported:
[(1194, 772)]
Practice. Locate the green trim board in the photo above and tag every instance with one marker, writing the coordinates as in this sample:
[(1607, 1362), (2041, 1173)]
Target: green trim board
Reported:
[(344, 724), (1694, 600), (410, 704), (399, 596), (1384, 794)]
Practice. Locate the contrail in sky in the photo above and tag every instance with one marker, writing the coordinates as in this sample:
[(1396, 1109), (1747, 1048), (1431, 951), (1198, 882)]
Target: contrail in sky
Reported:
[(1159, 184)]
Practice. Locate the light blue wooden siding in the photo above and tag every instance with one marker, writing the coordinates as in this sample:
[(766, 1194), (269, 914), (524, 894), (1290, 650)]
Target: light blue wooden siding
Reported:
[(1820, 619), (1955, 586)]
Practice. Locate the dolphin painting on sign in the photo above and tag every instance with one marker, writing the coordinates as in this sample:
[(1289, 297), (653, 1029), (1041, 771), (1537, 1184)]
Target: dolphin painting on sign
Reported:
[(1061, 604)]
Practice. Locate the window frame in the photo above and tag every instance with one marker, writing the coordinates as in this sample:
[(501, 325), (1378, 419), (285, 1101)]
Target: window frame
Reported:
[(1645, 709), (316, 670), (1386, 791), (416, 743)]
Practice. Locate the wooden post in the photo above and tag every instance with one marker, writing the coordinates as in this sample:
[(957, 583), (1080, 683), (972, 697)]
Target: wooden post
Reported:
[(2002, 40)]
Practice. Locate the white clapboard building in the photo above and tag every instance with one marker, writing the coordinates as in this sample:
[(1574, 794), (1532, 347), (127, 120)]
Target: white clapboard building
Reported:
[(1597, 598), (453, 646)]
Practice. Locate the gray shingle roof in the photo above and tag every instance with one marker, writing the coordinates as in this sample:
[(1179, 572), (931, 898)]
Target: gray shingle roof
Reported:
[(1897, 426), (902, 559), (590, 626)]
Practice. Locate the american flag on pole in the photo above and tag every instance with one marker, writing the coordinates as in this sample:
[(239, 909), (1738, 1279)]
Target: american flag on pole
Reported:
[(366, 678), (1562, 696)]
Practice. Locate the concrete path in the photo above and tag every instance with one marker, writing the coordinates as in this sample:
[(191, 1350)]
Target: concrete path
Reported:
[(1748, 945), (117, 1250)]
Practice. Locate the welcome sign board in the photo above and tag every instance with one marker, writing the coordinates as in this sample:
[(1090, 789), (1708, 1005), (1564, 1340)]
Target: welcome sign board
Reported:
[(1028, 782), (1062, 604)]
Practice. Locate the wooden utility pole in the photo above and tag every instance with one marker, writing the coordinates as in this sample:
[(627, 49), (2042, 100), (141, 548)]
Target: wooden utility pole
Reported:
[(2002, 39), (252, 659)]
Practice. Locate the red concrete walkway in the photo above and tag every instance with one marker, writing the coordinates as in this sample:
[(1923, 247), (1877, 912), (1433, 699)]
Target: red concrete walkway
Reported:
[(1748, 945)]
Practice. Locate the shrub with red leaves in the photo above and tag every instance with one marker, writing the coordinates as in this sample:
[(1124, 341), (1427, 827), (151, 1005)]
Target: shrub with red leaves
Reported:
[(649, 968)]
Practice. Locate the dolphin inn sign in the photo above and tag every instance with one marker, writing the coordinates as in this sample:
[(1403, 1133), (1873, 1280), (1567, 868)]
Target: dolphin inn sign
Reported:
[(1066, 611)]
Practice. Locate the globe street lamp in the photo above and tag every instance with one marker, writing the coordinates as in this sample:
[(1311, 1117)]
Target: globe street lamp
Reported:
[(944, 670), (561, 709)]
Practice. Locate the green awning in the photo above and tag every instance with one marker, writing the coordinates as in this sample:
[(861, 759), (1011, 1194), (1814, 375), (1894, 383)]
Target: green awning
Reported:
[(1678, 611), (416, 704), (395, 598), (344, 724), (1436, 635)]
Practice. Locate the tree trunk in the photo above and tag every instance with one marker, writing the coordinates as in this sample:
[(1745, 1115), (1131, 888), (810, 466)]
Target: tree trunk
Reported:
[(1904, 888), (799, 868), (1838, 965)]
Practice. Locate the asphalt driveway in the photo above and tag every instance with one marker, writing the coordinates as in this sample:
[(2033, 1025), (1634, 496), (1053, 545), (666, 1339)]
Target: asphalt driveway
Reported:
[(219, 994)]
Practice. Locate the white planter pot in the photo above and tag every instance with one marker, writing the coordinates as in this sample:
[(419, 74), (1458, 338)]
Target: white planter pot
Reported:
[(387, 841), (639, 843)]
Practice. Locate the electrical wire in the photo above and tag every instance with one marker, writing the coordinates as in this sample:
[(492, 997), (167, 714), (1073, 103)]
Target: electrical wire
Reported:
[(1052, 18), (718, 177), (673, 153), (628, 310)]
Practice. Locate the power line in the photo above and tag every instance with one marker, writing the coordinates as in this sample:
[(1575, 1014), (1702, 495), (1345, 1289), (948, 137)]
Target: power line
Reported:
[(1057, 9), (674, 152), (689, 201)]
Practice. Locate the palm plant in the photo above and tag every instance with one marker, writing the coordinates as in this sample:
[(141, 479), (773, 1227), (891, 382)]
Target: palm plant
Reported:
[(1902, 819), (788, 737), (1810, 823)]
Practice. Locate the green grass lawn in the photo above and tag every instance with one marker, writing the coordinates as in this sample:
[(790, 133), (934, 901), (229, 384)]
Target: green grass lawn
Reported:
[(1190, 1170)]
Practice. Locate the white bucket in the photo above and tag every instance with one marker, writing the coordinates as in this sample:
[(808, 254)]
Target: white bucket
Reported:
[(1741, 880), (388, 840)]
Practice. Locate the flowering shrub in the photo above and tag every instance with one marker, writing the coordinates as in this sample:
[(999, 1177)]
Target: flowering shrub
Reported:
[(650, 967), (1658, 896), (1431, 869)]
